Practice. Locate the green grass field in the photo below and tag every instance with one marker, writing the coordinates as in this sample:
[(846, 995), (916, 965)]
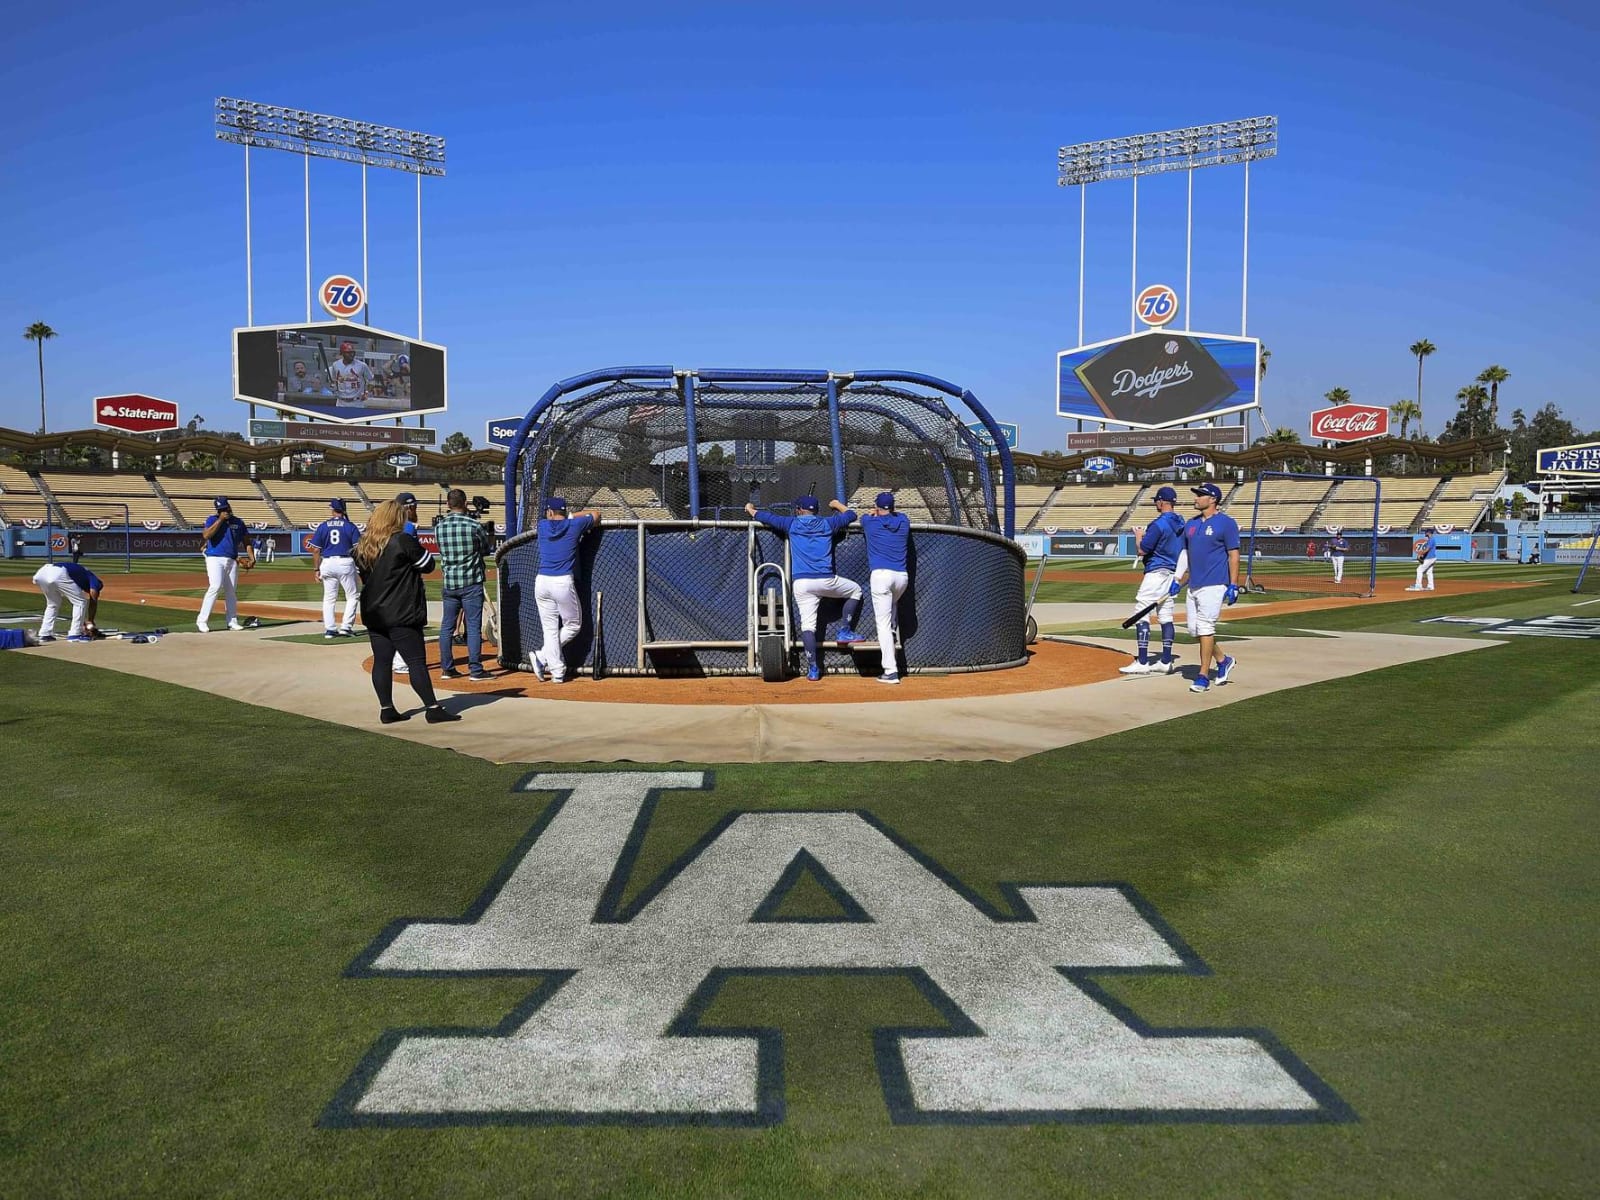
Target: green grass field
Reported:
[(1395, 873)]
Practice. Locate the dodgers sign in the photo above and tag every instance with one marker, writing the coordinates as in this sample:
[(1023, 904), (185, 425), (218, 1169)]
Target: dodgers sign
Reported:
[(613, 1029), (1582, 459), (1156, 379)]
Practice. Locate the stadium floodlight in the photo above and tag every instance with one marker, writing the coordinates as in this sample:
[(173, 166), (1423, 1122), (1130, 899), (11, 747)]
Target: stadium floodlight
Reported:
[(1222, 144), (317, 135)]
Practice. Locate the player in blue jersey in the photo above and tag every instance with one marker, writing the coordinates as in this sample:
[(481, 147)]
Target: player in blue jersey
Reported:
[(1161, 549), (75, 585), (224, 542), (888, 535), (555, 591), (1211, 569), (1426, 548), (811, 559), (332, 547), (1338, 547)]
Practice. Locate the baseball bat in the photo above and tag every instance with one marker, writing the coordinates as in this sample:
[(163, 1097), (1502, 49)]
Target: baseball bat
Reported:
[(1143, 612), (599, 637)]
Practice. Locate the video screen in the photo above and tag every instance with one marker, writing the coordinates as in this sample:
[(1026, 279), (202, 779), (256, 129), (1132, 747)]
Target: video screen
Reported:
[(338, 372), (1157, 379)]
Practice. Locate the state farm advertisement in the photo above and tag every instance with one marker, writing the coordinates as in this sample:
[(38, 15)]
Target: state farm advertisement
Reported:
[(135, 414), (1349, 423)]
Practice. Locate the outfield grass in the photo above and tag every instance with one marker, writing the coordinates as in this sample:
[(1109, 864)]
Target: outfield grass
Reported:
[(1394, 872)]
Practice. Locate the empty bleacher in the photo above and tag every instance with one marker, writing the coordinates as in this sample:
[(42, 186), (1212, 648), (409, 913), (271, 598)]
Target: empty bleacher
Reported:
[(1090, 506), (1289, 503), (1463, 500), (304, 502), (646, 502), (19, 486), (1031, 498), (1400, 503), (86, 498), (194, 495)]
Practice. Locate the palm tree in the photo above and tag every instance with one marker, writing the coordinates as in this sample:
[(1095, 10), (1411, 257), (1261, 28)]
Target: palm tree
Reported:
[(1404, 411), (1265, 355), (41, 333), (1494, 376), (1421, 349), (1472, 399), (1337, 396), (1281, 435)]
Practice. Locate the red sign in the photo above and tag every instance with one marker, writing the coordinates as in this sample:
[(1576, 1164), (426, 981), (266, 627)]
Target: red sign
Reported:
[(135, 414), (1349, 422)]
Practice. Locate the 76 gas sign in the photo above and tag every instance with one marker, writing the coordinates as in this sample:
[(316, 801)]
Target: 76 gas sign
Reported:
[(1156, 305), (342, 296)]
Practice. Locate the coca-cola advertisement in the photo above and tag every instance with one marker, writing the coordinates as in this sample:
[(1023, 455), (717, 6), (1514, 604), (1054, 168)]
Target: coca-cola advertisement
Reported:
[(1349, 423)]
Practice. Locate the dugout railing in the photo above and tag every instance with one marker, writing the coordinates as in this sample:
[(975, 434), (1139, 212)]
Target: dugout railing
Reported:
[(681, 598)]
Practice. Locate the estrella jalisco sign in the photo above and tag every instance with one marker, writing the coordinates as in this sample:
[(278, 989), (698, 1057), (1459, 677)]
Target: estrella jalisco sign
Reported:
[(1581, 459)]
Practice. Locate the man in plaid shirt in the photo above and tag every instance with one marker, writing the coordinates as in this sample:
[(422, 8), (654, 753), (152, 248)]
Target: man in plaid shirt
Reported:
[(463, 542)]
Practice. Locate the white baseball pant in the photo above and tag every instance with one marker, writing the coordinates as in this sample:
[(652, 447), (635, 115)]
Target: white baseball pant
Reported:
[(336, 573), (58, 586), (223, 572), (1425, 568), (887, 588), (1156, 585), (1338, 568), (808, 594), (561, 616), (1205, 607)]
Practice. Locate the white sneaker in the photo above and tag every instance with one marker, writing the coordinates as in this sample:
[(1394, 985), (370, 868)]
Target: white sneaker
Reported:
[(202, 627), (1413, 588), (540, 671), (1157, 667), (401, 669), (234, 625), (890, 679), (1136, 668), (1429, 588)]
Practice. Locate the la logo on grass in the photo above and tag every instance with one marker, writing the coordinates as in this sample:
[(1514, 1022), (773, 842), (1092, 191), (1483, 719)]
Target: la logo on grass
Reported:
[(613, 1035)]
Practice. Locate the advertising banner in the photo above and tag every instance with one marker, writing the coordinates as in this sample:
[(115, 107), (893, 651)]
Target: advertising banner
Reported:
[(1349, 423), (135, 413), (303, 431), (502, 431), (1011, 433), (1108, 544), (337, 371), (1581, 459), (1221, 435), (1157, 379)]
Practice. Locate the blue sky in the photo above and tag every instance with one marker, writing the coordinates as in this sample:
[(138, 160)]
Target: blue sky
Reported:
[(835, 186)]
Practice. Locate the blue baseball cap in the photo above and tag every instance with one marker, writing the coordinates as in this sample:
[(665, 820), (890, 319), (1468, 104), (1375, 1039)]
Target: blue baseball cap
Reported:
[(885, 500), (1167, 494), (1208, 489), (336, 504), (222, 503), (557, 503), (809, 503), (405, 498)]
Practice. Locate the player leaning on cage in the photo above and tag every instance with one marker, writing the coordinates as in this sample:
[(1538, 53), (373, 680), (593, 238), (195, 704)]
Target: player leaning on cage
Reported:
[(1211, 544), (811, 553), (555, 591), (1161, 549), (888, 536), (332, 548)]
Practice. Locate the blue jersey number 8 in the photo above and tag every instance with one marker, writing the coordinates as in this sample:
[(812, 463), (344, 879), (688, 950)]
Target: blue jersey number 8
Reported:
[(333, 537)]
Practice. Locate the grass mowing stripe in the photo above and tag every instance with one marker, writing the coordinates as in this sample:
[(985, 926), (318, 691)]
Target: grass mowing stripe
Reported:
[(176, 971)]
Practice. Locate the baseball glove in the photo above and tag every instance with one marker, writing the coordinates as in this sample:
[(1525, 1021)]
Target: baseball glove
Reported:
[(246, 564)]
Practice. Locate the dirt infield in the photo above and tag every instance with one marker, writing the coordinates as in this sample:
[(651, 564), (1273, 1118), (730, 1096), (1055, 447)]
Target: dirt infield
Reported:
[(1051, 665), (159, 589)]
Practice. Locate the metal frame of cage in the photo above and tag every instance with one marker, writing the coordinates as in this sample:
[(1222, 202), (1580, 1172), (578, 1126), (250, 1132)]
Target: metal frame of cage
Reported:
[(54, 509), (1330, 481), (832, 388)]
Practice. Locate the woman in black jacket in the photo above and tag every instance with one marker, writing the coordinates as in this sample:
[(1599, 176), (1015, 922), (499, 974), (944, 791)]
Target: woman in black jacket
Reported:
[(394, 608)]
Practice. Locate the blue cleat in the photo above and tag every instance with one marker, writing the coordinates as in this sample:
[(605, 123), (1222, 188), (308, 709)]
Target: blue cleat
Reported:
[(1200, 685), (846, 636), (1225, 668), (814, 672)]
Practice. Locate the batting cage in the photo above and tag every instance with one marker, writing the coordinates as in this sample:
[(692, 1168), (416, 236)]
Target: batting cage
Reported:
[(678, 580), (1313, 533)]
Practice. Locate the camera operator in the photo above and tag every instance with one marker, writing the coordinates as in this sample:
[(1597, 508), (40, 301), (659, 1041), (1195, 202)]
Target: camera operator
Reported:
[(462, 546)]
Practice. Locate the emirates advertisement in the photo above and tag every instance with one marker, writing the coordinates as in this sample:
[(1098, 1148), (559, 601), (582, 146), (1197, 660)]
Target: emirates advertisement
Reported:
[(1349, 423)]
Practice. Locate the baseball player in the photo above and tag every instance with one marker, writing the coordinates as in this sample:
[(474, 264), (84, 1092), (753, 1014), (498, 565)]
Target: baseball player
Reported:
[(1211, 543), (1426, 548), (79, 587), (224, 539), (811, 553), (332, 547), (1338, 547), (352, 378), (555, 591), (888, 535), (1161, 548)]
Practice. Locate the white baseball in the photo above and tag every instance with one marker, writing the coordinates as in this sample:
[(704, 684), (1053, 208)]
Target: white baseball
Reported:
[(141, 602)]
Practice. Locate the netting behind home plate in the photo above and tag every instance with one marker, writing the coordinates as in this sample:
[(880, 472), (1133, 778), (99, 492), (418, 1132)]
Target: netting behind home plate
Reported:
[(671, 457)]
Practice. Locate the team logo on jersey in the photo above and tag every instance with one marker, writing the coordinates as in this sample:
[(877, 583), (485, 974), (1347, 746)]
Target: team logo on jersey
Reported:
[(613, 1032)]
